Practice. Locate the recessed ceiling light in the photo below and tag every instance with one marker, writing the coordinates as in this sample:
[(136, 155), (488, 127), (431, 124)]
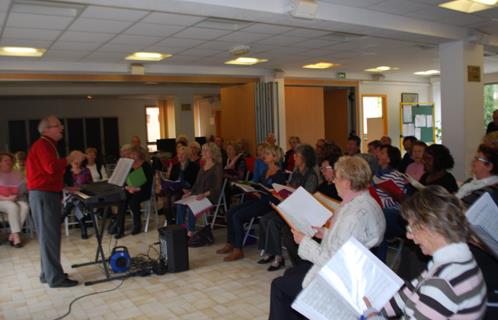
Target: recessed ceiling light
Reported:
[(21, 52), (246, 61), (469, 6), (320, 65), (381, 68), (426, 73), (148, 56)]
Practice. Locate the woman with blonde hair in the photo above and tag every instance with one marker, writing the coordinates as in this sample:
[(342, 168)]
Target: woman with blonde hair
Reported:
[(207, 184)]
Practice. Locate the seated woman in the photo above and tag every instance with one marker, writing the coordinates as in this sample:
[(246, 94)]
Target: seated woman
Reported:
[(485, 172), (253, 207), (327, 187), (235, 169), (134, 194), (75, 176), (195, 153), (289, 155), (416, 168), (359, 216), (95, 166), (16, 209), (260, 166), (273, 230), (437, 161), (20, 160), (389, 159), (452, 286), (207, 184)]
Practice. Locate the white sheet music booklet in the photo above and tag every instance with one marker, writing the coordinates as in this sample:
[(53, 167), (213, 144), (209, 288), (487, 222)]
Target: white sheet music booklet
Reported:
[(338, 289)]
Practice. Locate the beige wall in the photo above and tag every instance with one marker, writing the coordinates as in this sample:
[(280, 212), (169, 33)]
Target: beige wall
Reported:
[(238, 118), (304, 110)]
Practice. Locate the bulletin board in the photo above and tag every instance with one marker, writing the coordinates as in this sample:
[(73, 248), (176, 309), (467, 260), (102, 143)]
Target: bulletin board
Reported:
[(417, 119)]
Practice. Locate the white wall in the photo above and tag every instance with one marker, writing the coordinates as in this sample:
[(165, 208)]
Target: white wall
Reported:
[(130, 112), (393, 91)]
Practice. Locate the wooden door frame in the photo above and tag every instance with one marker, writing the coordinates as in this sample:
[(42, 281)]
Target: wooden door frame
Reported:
[(384, 111)]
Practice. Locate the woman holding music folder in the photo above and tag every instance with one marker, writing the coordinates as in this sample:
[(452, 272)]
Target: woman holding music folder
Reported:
[(452, 286), (273, 231), (207, 184), (138, 189), (359, 216), (256, 204)]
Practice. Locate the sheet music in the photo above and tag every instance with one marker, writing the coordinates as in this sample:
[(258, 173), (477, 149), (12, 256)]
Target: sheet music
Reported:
[(328, 202), (303, 211), (121, 171), (351, 274), (244, 187), (483, 216), (197, 206), (279, 187)]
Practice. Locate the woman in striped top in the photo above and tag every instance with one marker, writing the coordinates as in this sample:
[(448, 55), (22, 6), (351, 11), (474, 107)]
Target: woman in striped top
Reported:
[(452, 286)]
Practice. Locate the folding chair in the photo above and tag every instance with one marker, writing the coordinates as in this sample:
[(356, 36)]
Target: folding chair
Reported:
[(248, 227), (396, 245), (221, 202)]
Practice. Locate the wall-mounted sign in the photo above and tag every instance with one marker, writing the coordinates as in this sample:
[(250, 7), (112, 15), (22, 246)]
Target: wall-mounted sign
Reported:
[(474, 73), (341, 75)]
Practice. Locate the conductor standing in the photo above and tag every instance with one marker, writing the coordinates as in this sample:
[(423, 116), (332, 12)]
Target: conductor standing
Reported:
[(44, 175)]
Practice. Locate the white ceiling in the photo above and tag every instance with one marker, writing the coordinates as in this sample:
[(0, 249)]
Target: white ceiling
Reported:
[(399, 33)]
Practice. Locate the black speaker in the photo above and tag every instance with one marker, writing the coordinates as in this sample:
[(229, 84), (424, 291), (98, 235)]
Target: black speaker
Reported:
[(173, 247)]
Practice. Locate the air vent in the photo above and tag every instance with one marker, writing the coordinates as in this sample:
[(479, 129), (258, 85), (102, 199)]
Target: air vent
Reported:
[(223, 24), (47, 8)]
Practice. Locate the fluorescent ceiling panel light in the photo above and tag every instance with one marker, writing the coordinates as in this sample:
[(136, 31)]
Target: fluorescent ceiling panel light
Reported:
[(426, 73), (381, 68), (21, 52), (246, 61), (46, 8), (469, 6), (222, 24), (320, 65), (148, 56)]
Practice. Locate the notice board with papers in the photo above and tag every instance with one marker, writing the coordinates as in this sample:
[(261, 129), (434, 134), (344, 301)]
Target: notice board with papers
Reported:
[(417, 119)]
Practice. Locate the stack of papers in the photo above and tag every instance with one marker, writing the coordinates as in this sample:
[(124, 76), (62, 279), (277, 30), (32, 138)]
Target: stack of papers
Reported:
[(197, 206)]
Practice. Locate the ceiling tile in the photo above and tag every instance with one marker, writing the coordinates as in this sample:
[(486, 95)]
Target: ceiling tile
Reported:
[(24, 20), (201, 34), (313, 43), (433, 14), (267, 28), (153, 29), (3, 15), (398, 6), (305, 33), (217, 44), (4, 5), (121, 48), (35, 34), (163, 49), (244, 37), (199, 52), (60, 54), (113, 14), (462, 20), (491, 13), (353, 3), (172, 19), (180, 43), (75, 46), (129, 39), (99, 25), (281, 40), (86, 36)]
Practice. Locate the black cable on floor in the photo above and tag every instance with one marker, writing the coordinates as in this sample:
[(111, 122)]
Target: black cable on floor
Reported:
[(87, 295)]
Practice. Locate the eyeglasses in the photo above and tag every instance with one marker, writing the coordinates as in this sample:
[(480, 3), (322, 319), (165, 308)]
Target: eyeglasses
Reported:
[(325, 168), (477, 158), (56, 126), (411, 228)]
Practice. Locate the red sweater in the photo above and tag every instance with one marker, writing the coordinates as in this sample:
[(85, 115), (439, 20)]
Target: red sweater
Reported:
[(44, 170)]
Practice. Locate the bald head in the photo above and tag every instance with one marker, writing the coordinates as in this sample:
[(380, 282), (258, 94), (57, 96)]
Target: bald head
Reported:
[(50, 126)]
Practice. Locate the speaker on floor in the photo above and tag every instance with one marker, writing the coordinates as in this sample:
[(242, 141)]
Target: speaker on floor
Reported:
[(173, 247)]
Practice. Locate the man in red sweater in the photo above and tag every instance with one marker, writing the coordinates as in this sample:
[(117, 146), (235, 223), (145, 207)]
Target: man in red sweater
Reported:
[(44, 176)]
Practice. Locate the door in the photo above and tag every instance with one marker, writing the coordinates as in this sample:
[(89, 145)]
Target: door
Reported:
[(374, 118)]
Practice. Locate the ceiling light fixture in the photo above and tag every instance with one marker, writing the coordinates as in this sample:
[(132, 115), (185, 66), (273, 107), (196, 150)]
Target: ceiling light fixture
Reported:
[(320, 65), (426, 73), (381, 68), (245, 61), (148, 56), (46, 8), (469, 6), (21, 52)]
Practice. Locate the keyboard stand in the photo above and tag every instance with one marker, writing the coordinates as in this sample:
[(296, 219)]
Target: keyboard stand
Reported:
[(99, 255)]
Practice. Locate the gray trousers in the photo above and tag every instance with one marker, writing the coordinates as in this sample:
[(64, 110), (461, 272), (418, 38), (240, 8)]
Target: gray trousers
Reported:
[(46, 210)]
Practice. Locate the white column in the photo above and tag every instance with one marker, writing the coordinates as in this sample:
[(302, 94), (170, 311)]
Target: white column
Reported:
[(280, 125), (461, 103)]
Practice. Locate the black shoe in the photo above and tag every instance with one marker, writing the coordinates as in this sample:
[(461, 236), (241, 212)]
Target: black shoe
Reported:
[(66, 283), (113, 227), (135, 231), (42, 280), (277, 265), (84, 233), (266, 259), (118, 235)]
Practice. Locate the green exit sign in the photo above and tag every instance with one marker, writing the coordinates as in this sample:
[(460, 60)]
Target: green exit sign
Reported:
[(341, 75)]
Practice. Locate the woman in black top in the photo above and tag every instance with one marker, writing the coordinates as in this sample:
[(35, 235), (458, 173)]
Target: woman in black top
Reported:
[(259, 204), (437, 160)]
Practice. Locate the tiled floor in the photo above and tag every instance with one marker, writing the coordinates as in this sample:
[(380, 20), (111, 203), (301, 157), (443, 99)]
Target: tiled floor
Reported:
[(211, 289)]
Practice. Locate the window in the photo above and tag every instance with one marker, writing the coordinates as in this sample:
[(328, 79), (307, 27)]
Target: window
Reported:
[(490, 102), (372, 108), (153, 127)]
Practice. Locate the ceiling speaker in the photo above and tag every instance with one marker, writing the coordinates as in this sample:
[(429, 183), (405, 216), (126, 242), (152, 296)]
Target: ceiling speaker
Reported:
[(305, 9)]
